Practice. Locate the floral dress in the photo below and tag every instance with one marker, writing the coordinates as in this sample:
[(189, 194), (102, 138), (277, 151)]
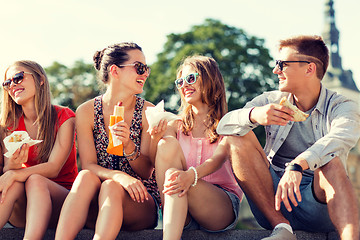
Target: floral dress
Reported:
[(115, 162)]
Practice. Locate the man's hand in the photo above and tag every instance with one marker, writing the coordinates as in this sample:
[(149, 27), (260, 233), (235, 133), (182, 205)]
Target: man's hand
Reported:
[(271, 114), (288, 187)]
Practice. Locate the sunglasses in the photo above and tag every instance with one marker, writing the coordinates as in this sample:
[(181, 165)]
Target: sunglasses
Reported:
[(281, 63), (139, 67), (16, 79), (190, 79)]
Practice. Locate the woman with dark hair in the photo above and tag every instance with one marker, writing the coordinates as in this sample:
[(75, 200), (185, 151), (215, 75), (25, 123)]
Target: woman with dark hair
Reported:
[(113, 193), (35, 180), (192, 160)]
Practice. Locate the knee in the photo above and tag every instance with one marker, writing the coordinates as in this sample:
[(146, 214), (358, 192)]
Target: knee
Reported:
[(112, 189), (35, 181), (86, 179), (167, 149), (170, 171), (244, 143), (246, 147)]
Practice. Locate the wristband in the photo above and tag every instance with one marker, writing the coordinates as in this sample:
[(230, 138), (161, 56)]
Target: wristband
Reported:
[(250, 114), (293, 167), (196, 176), (132, 156)]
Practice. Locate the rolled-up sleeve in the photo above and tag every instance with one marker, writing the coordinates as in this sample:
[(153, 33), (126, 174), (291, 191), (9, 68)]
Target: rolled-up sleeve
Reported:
[(343, 134), (236, 122)]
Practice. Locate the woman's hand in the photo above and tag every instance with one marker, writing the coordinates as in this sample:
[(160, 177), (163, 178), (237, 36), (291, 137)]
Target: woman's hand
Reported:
[(158, 131), (134, 187), (179, 181), (19, 157), (6, 180), (121, 130)]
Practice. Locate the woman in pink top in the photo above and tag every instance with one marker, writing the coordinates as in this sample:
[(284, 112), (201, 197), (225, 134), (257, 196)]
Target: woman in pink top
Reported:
[(198, 188)]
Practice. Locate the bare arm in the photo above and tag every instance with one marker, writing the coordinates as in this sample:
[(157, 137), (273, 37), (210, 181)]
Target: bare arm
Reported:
[(88, 156), (51, 168), (185, 179)]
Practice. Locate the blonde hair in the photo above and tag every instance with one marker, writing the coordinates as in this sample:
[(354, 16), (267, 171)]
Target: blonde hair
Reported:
[(45, 111), (212, 93)]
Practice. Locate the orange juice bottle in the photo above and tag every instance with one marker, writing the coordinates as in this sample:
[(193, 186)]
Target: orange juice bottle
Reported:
[(115, 146)]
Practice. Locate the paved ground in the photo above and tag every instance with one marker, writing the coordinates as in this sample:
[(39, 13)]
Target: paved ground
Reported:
[(15, 234)]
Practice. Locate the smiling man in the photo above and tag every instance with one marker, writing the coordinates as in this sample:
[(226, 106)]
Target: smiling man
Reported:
[(299, 180)]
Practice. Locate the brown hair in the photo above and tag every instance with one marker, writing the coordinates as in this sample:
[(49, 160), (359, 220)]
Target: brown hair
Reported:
[(115, 54), (314, 49), (45, 111), (212, 93)]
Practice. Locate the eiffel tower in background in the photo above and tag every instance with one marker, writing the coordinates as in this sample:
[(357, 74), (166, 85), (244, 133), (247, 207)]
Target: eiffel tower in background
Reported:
[(336, 78)]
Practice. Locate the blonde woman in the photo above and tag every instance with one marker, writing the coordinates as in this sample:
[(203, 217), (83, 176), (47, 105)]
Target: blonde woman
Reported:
[(35, 180)]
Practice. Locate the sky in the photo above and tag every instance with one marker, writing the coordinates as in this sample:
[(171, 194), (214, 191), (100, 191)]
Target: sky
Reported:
[(69, 30)]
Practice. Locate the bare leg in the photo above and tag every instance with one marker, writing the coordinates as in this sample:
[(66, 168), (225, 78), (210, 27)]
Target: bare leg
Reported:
[(251, 169), (117, 210), (75, 209), (13, 208), (210, 206), (175, 212), (44, 199), (332, 186), (169, 156)]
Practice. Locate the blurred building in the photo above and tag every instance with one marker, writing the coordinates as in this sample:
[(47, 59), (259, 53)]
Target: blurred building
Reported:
[(341, 81)]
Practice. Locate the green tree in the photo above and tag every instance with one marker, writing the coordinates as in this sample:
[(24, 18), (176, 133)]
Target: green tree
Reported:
[(72, 86), (243, 60)]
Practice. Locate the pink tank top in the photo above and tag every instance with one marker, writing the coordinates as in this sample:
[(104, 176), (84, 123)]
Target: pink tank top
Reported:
[(197, 151)]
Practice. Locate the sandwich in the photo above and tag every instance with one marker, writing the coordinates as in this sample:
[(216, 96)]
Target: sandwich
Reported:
[(298, 115)]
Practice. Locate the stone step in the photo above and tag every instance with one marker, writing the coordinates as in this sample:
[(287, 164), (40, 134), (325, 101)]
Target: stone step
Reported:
[(17, 234)]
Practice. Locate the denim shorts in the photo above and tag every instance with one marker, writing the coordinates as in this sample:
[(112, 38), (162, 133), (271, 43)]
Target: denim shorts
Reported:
[(158, 211), (310, 214), (235, 201)]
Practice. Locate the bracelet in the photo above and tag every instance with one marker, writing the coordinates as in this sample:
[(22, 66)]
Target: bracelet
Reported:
[(132, 156), (196, 176), (250, 114), (293, 167)]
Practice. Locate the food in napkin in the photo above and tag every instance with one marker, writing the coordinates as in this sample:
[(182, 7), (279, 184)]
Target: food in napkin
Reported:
[(15, 140), (298, 115), (157, 113)]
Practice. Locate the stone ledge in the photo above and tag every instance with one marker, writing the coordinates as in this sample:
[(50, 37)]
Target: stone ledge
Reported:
[(16, 233)]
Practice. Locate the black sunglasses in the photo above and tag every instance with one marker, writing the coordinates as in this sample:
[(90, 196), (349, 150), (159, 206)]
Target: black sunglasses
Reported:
[(281, 63), (16, 79), (190, 79), (139, 67)]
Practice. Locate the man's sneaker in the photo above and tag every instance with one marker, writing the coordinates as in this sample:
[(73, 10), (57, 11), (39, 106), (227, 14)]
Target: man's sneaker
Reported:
[(281, 234)]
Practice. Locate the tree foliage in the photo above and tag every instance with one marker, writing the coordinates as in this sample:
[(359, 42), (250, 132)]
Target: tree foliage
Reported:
[(243, 61), (72, 86)]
